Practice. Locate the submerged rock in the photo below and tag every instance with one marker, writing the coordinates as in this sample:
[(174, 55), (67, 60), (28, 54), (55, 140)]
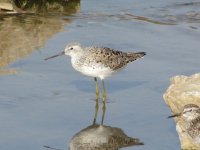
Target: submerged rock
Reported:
[(183, 90)]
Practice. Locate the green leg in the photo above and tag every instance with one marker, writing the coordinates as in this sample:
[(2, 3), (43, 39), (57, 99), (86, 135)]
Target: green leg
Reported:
[(104, 91), (96, 111), (103, 112), (97, 88)]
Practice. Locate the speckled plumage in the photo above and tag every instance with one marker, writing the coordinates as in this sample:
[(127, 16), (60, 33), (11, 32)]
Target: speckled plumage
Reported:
[(189, 122), (194, 128), (99, 61), (110, 57)]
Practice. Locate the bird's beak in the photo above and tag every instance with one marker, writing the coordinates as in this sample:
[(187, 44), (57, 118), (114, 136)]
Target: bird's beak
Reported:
[(59, 54), (174, 115)]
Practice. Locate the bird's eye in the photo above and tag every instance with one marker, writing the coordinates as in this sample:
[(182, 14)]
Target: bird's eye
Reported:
[(71, 48)]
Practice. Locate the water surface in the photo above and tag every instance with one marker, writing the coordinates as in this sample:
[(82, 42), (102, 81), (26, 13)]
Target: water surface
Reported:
[(47, 102)]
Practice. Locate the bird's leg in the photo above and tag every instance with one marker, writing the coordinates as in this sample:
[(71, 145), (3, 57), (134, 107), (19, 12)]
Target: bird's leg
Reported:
[(104, 91), (103, 112), (97, 88), (96, 111)]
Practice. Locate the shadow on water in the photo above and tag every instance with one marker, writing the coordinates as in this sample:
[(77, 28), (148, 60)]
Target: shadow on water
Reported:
[(100, 136), (17, 42)]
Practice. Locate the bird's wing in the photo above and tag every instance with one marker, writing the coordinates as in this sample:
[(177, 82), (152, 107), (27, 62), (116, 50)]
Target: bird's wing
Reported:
[(108, 57), (112, 58)]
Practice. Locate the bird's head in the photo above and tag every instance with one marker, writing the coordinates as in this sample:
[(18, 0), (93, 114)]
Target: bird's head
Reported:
[(189, 112), (71, 49)]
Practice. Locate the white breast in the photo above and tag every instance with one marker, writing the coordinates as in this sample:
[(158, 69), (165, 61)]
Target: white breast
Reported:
[(92, 70)]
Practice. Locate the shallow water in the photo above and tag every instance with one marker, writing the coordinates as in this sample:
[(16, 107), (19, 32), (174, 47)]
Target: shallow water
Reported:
[(47, 102)]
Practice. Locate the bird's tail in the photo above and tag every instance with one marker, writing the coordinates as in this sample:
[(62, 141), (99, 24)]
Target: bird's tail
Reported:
[(134, 56)]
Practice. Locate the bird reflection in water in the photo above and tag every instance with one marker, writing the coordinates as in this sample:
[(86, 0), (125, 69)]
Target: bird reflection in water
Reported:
[(101, 137)]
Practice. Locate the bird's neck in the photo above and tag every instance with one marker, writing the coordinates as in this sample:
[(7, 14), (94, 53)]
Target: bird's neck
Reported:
[(195, 120), (191, 120), (77, 59), (76, 54)]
